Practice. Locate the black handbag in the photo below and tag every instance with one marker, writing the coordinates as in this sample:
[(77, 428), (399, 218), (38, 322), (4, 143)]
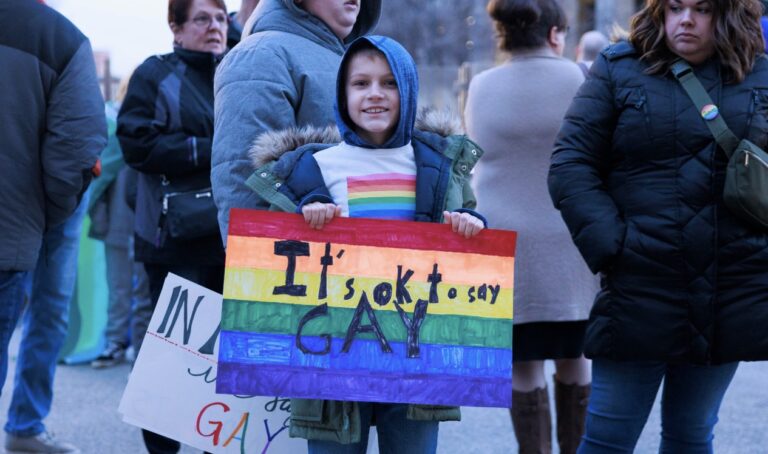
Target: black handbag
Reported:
[(187, 212), (746, 177)]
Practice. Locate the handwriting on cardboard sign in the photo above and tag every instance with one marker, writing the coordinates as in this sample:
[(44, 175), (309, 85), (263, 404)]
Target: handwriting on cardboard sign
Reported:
[(213, 428), (212, 419), (382, 295), (180, 302)]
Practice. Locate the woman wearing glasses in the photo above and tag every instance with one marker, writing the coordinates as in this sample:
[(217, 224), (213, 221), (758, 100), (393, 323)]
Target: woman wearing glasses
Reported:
[(165, 128)]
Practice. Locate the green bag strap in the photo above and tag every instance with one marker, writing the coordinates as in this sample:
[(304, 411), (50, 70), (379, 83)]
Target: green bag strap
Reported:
[(714, 121)]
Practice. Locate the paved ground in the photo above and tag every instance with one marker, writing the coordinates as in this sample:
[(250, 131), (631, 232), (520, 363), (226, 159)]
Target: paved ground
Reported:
[(85, 413)]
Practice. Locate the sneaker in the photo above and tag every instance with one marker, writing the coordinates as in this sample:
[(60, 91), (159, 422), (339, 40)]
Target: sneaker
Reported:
[(40, 443), (112, 355)]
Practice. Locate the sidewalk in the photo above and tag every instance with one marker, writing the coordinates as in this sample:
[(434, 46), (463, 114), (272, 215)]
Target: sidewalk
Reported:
[(85, 413)]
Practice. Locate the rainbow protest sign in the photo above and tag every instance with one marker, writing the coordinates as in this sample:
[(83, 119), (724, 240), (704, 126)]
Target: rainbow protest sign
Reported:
[(366, 310)]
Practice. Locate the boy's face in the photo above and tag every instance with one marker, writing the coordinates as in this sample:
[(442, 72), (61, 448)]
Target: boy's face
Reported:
[(373, 100)]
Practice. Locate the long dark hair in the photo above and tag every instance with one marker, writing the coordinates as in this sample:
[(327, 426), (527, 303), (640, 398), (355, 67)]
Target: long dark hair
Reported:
[(738, 36), (525, 24)]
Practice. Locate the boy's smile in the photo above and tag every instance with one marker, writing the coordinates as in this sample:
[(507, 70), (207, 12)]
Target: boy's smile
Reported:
[(373, 99)]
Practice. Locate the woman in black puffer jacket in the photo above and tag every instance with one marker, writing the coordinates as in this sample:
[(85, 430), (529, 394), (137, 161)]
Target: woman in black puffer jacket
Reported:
[(165, 128), (638, 178)]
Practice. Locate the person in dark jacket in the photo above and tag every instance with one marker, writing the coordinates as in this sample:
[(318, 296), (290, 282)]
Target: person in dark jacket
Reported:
[(639, 178), (165, 128), (52, 127)]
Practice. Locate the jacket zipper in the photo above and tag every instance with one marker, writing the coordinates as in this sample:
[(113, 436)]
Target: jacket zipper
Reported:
[(640, 105), (199, 195), (751, 112), (757, 158)]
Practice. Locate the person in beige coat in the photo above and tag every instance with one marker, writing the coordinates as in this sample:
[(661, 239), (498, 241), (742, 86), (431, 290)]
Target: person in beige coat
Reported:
[(514, 112)]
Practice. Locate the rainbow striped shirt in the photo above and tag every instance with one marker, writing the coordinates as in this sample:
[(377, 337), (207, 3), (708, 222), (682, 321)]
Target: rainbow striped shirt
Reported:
[(382, 196), (371, 183)]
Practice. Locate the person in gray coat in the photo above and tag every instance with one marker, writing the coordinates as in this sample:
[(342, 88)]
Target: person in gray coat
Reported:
[(282, 75), (52, 128), (514, 112)]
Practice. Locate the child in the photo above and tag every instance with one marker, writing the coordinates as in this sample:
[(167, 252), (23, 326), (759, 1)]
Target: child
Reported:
[(377, 89)]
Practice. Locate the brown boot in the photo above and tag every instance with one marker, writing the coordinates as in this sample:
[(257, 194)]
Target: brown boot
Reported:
[(532, 421), (571, 404)]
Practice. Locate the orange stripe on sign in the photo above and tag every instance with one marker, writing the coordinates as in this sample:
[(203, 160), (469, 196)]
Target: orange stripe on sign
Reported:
[(375, 262)]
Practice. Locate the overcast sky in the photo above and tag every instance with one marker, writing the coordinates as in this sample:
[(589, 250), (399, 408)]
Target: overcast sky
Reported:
[(131, 30)]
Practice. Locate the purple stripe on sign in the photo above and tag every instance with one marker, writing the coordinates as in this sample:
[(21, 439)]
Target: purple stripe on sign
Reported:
[(363, 386), (364, 354)]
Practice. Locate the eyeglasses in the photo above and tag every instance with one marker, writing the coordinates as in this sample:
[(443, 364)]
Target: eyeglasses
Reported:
[(204, 20)]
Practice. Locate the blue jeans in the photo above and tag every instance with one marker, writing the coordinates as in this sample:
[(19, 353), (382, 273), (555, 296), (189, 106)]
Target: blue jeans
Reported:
[(11, 302), (119, 261), (44, 326), (397, 435), (623, 394)]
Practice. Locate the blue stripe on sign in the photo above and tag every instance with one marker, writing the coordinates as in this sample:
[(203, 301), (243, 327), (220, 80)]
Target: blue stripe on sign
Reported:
[(364, 354), (360, 385)]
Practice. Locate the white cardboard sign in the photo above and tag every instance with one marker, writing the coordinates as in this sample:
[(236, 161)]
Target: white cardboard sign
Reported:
[(171, 390)]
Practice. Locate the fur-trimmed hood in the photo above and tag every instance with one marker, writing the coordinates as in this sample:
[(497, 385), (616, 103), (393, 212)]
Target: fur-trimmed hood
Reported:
[(270, 145)]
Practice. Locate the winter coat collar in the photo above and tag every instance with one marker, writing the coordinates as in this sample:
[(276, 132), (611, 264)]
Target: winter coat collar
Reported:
[(196, 59), (286, 16), (539, 52), (431, 125)]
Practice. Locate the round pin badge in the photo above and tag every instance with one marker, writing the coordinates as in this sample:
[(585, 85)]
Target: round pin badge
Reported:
[(709, 112)]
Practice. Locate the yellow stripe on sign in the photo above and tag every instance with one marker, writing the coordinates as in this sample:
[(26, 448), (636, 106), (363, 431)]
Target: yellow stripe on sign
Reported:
[(258, 285), (458, 268)]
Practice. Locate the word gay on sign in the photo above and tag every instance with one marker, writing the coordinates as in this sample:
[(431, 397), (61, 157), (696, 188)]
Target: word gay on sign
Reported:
[(171, 389), (366, 310)]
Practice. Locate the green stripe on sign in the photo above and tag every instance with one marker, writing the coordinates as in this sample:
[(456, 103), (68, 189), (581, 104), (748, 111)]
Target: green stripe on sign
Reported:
[(279, 318)]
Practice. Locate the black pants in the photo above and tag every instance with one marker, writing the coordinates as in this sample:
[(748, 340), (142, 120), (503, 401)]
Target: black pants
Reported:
[(211, 277)]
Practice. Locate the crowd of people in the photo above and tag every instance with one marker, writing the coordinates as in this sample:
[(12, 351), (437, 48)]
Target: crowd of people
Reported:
[(630, 269)]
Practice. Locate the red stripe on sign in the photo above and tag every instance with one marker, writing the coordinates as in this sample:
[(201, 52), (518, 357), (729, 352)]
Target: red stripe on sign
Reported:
[(370, 232)]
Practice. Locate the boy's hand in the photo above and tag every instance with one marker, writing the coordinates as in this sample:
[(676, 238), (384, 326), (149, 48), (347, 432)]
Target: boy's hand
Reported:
[(318, 214), (463, 223)]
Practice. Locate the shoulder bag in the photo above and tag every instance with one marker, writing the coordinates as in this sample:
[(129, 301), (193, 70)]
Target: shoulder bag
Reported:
[(746, 178), (188, 211)]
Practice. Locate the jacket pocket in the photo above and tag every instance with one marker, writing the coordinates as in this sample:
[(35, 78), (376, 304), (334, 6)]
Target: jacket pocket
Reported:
[(618, 260), (330, 420), (433, 413), (307, 410), (633, 133)]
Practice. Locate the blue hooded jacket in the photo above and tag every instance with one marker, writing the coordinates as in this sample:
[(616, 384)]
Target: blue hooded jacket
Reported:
[(404, 69), (442, 162)]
